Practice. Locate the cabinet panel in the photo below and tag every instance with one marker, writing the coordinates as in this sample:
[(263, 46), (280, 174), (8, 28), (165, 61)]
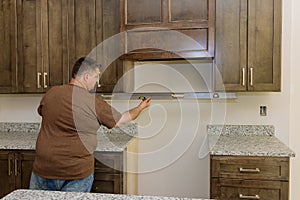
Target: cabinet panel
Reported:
[(90, 23), (265, 168), (264, 42), (187, 40), (110, 29), (56, 63), (7, 180), (107, 183), (231, 46), (29, 44), (8, 67), (143, 11), (230, 189), (108, 176), (24, 163), (188, 10)]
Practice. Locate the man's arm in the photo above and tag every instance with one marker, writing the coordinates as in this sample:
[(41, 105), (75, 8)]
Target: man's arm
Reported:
[(133, 113)]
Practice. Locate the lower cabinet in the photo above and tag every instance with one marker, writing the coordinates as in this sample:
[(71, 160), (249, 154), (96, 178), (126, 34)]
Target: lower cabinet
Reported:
[(108, 176), (249, 177), (15, 170)]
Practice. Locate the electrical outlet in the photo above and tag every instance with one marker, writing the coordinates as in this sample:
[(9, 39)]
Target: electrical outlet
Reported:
[(263, 110)]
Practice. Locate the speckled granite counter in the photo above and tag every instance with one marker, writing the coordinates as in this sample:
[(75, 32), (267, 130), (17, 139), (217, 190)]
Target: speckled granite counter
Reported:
[(48, 195), (23, 136), (246, 140)]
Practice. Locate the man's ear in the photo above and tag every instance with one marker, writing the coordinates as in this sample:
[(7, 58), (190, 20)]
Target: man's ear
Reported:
[(85, 76)]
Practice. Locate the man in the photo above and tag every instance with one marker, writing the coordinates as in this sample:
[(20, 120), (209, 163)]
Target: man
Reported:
[(71, 116)]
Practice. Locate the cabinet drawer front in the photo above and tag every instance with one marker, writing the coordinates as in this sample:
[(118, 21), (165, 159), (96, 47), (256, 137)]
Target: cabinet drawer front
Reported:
[(168, 40), (241, 189), (266, 168)]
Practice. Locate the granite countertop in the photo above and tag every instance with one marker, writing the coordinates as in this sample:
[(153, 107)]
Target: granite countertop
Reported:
[(23, 136), (51, 195), (246, 140)]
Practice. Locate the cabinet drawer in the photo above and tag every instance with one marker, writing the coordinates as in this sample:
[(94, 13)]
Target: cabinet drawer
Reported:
[(248, 167), (249, 189)]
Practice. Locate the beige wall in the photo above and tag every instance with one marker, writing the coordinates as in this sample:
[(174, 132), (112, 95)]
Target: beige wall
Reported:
[(177, 169)]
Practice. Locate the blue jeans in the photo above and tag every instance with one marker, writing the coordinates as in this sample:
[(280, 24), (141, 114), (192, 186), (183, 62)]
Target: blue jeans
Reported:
[(80, 185)]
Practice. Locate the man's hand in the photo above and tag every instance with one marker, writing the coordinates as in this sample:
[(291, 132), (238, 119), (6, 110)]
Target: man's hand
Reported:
[(133, 113)]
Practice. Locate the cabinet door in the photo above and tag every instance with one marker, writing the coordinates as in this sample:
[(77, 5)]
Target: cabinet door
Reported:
[(231, 46), (30, 57), (108, 176), (23, 163), (264, 45), (8, 67), (7, 180), (55, 43), (89, 23)]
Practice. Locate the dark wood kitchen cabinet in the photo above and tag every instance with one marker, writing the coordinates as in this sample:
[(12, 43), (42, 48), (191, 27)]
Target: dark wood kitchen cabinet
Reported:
[(8, 69), (42, 45), (108, 176), (15, 170), (90, 24), (248, 177), (166, 29), (43, 39), (248, 45)]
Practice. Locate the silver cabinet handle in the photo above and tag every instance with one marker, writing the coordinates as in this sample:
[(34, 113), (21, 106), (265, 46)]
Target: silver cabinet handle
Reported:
[(251, 76), (16, 167), (107, 96), (39, 74), (241, 196), (9, 166), (244, 76), (45, 80), (177, 95), (256, 170)]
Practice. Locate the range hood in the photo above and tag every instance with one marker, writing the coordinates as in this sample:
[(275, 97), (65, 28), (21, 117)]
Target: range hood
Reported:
[(173, 79)]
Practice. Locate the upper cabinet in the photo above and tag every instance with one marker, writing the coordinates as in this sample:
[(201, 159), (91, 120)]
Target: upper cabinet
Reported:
[(166, 29), (8, 69), (248, 45), (44, 38), (41, 51)]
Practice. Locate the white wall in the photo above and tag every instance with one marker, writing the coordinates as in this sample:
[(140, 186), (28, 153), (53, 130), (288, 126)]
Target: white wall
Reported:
[(19, 108), (295, 97), (177, 170)]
